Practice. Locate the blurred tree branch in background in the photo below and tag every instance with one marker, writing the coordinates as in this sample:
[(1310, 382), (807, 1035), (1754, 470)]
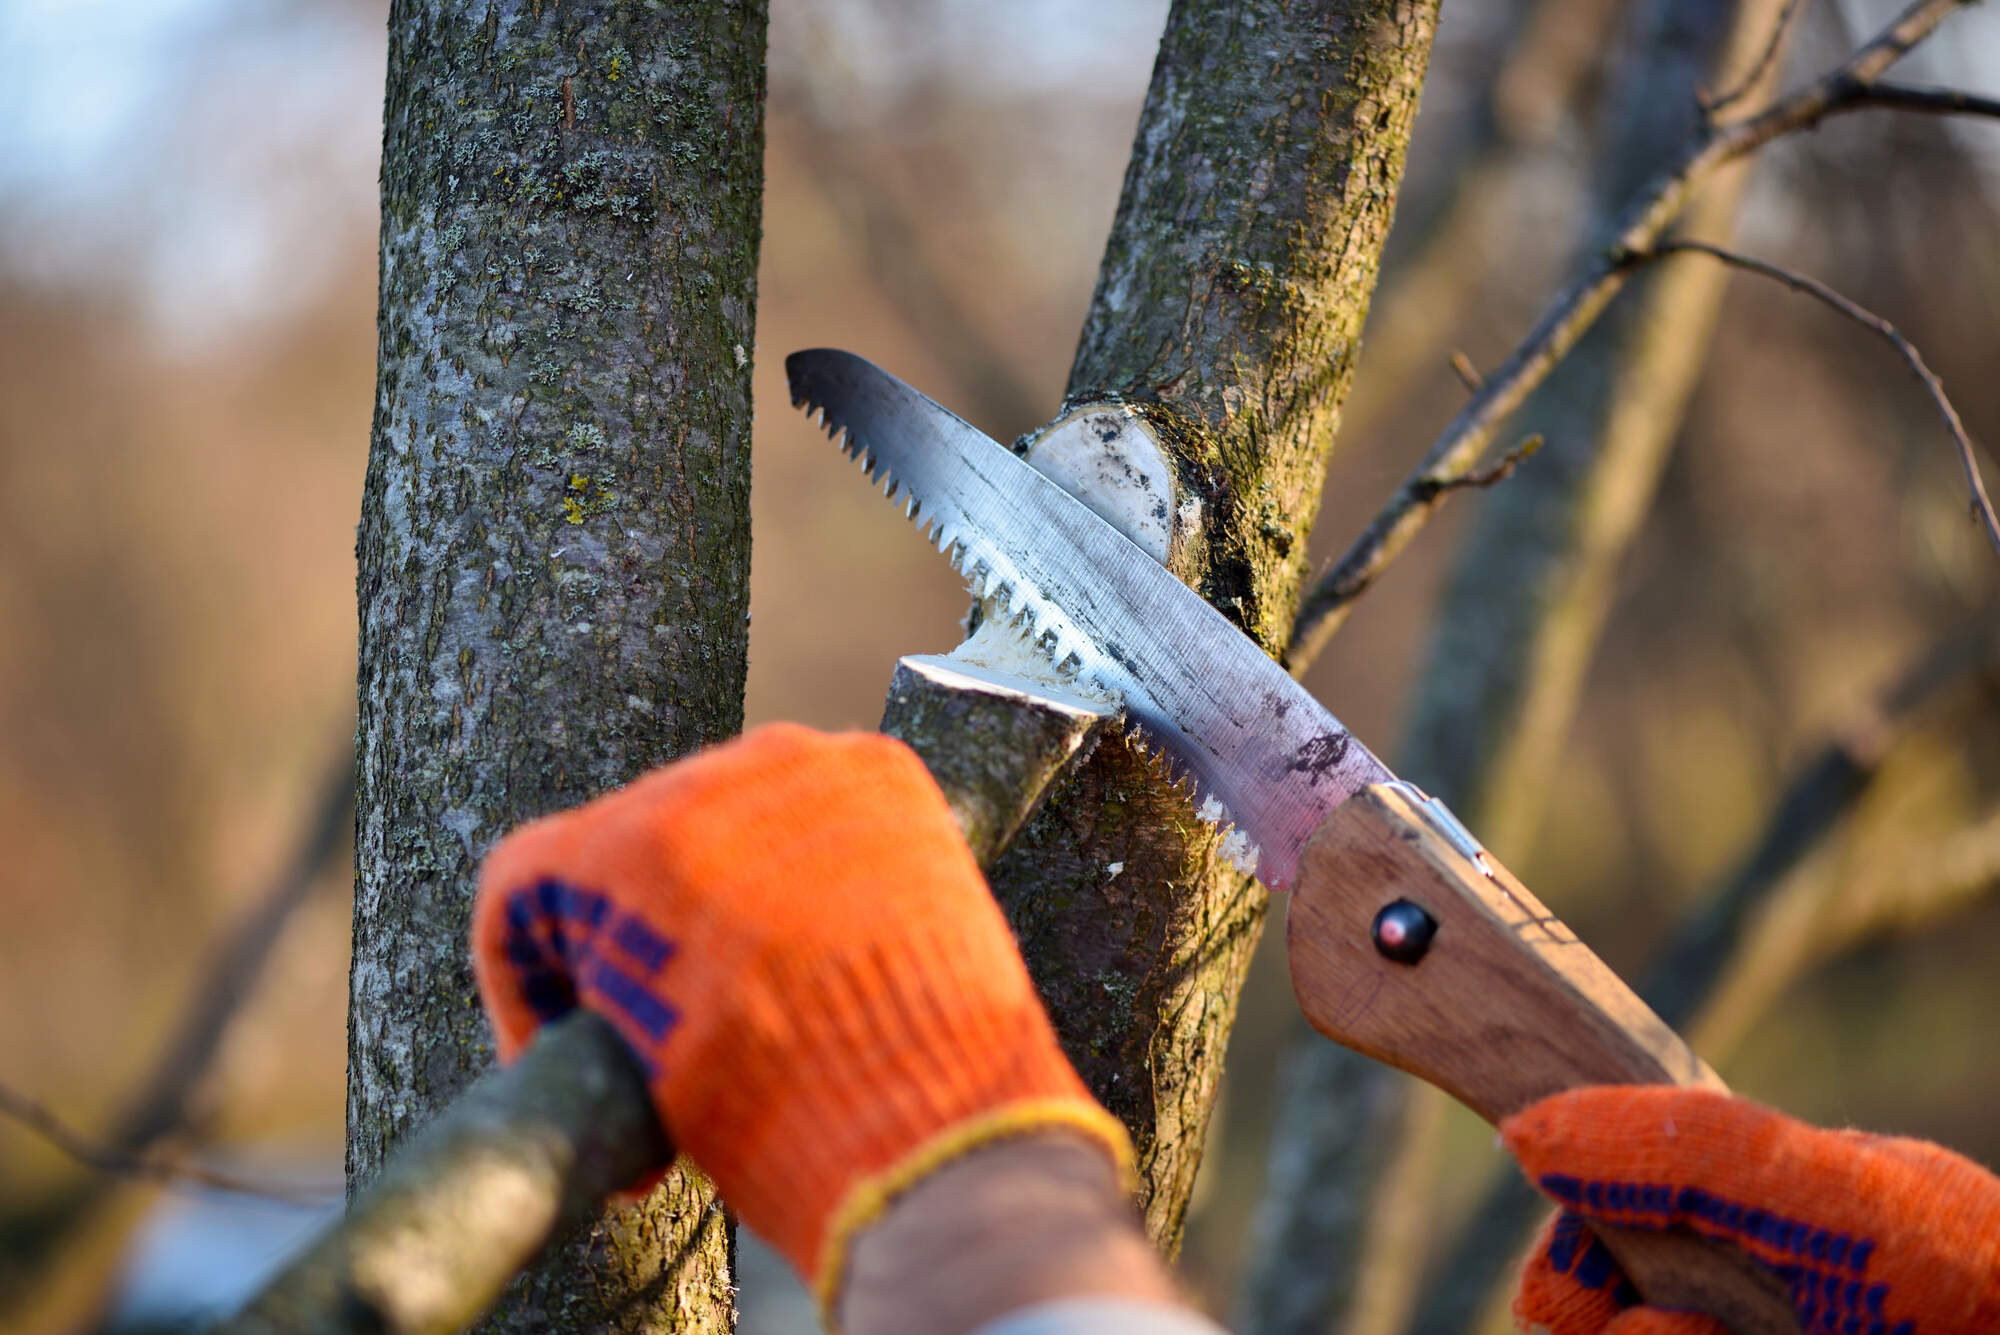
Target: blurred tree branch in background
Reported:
[(111, 1163), (1638, 227), (1968, 455), (162, 1103), (1906, 856), (161, 1110), (1812, 806)]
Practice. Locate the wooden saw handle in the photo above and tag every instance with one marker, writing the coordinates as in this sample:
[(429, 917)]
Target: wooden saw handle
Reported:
[(1502, 1007)]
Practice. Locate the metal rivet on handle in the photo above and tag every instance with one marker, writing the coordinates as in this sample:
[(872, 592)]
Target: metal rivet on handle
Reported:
[(1403, 931)]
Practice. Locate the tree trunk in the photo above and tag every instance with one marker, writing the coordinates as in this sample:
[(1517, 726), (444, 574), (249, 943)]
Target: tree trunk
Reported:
[(554, 545), (1229, 309)]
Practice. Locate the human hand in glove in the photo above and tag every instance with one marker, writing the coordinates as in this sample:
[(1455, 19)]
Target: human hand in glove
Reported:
[(1871, 1235), (792, 936)]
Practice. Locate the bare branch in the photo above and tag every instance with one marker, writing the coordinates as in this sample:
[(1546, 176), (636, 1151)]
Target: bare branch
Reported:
[(1440, 261), (37, 1117), (1457, 449), (1916, 97), (1498, 473), (160, 1105), (1755, 78), (521, 1157), (1982, 504), (1467, 373), (1453, 455)]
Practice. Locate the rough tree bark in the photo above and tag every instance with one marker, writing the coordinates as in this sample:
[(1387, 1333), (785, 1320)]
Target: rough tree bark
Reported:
[(1228, 310), (1520, 619), (554, 545)]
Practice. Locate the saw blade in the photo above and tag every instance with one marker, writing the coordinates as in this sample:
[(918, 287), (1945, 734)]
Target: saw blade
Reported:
[(1260, 752)]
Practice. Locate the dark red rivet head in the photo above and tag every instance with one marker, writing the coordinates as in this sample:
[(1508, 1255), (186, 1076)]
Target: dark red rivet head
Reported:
[(1403, 931)]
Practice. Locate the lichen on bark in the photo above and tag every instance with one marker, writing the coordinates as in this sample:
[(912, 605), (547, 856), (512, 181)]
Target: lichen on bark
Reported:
[(1228, 311), (554, 544)]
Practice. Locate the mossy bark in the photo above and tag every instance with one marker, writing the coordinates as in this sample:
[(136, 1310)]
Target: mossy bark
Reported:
[(1229, 308), (554, 545)]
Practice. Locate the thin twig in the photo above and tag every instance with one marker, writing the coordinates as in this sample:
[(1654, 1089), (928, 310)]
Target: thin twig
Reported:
[(1982, 505), (1468, 374), (1458, 448), (1498, 473), (1755, 78), (35, 1115), (1539, 78), (1918, 97)]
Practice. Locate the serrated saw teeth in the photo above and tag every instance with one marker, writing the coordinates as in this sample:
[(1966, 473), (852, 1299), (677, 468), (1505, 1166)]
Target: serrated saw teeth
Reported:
[(1235, 847), (1041, 622)]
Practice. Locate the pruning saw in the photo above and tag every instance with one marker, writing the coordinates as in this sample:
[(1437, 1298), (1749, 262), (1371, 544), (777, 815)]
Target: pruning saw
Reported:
[(1407, 940)]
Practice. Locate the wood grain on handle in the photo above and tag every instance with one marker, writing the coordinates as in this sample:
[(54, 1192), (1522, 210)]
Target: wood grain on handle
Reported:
[(1505, 1007)]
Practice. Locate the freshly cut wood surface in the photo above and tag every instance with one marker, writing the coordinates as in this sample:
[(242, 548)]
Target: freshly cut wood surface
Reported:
[(1505, 1007)]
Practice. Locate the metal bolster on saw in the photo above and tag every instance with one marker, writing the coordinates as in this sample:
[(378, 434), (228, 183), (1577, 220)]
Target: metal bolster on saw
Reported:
[(1447, 824)]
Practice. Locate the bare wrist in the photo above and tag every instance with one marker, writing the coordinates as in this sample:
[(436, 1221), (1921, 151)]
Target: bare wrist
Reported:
[(1016, 1222)]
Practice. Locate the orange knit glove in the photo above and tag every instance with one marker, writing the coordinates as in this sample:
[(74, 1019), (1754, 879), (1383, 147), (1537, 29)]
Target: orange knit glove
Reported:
[(1873, 1235), (792, 935)]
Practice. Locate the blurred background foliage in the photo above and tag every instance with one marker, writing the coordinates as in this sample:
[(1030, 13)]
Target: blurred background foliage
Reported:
[(187, 291)]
